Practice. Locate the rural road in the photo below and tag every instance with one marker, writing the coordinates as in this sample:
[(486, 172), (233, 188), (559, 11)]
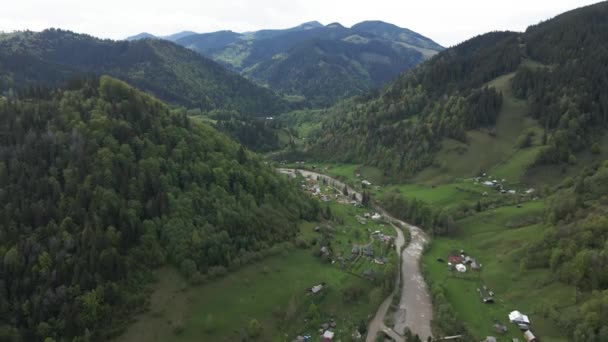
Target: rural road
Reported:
[(415, 310)]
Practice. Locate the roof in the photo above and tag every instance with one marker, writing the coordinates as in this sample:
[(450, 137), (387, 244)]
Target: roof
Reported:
[(328, 334), (518, 317), (461, 268), (316, 288)]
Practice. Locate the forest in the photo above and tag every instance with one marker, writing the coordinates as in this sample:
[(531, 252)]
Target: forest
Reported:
[(100, 184), (169, 71)]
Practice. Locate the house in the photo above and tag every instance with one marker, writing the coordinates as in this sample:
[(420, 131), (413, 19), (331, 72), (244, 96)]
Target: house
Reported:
[(518, 318), (324, 250), (327, 336), (468, 259), (530, 191), (529, 336), (355, 250), (378, 261), (475, 266), (488, 183), (461, 268), (376, 216), (511, 192), (366, 183), (490, 339)]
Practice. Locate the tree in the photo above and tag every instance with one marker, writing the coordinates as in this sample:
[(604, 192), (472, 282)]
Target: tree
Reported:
[(254, 328), (209, 323), (313, 312)]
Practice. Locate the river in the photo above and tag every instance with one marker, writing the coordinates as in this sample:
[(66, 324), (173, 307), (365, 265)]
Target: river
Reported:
[(415, 308)]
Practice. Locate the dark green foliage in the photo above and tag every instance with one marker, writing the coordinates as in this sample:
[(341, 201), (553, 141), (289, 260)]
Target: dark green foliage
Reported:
[(100, 184), (258, 134), (417, 212), (575, 248), (169, 71), (401, 135), (570, 97)]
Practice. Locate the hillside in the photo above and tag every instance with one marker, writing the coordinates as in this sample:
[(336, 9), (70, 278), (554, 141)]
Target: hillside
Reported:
[(166, 70), (100, 184), (505, 135), (439, 109), (321, 63)]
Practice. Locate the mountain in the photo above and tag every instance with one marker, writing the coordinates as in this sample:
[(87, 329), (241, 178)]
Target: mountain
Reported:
[(100, 185), (171, 37), (527, 109), (143, 35), (169, 71), (321, 63), (484, 92)]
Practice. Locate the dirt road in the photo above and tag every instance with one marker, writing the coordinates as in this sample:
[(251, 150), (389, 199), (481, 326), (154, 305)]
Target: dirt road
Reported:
[(415, 310)]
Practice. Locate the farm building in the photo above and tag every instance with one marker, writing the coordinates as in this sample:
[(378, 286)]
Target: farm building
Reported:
[(490, 339), (518, 318)]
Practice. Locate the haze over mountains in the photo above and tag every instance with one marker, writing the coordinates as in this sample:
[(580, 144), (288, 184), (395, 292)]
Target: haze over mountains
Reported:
[(320, 63)]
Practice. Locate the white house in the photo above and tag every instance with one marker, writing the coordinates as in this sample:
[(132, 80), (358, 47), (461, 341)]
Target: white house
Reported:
[(519, 318), (461, 268)]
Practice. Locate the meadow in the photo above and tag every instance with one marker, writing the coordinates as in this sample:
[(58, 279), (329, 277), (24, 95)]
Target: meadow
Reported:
[(273, 291)]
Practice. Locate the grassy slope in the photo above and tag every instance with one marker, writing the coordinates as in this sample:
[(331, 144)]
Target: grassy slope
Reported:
[(484, 152), (488, 237), (263, 291)]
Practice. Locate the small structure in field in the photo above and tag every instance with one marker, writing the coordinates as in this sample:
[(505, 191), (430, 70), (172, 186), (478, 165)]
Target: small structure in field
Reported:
[(519, 318), (327, 336), (366, 182), (461, 268), (490, 339), (376, 216), (500, 328), (529, 336), (317, 288)]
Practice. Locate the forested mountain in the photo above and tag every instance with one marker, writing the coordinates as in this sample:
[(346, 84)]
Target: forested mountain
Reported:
[(321, 63), (168, 71), (401, 129), (560, 69), (99, 184), (171, 37)]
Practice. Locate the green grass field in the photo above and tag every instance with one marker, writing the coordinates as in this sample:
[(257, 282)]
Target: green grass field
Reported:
[(496, 238), (221, 309)]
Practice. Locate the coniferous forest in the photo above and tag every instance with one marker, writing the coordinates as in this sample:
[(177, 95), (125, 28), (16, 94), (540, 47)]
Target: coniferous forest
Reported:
[(100, 184)]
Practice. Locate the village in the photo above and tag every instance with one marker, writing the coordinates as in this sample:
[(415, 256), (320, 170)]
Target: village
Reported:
[(362, 245)]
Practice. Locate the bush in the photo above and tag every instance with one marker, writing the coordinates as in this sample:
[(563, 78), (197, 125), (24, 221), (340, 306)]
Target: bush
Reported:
[(254, 328)]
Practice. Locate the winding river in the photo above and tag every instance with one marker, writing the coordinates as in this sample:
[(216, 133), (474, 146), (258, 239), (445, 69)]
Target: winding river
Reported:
[(415, 310)]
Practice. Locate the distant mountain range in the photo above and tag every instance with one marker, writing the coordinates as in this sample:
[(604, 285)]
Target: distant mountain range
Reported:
[(167, 70), (321, 63)]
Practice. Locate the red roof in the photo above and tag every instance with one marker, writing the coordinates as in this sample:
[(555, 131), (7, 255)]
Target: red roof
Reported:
[(455, 259)]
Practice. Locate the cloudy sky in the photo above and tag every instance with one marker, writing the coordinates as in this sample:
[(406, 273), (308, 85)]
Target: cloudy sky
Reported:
[(446, 21)]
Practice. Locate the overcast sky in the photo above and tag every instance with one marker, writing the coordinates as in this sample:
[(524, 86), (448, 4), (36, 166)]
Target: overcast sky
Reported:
[(445, 21)]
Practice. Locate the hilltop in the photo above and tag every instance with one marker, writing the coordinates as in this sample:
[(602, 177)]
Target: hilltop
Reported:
[(320, 63)]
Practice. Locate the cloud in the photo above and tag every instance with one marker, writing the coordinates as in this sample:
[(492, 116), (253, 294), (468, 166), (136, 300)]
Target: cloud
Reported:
[(446, 21)]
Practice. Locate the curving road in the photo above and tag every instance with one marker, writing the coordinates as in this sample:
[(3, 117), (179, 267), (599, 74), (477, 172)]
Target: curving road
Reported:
[(415, 310)]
